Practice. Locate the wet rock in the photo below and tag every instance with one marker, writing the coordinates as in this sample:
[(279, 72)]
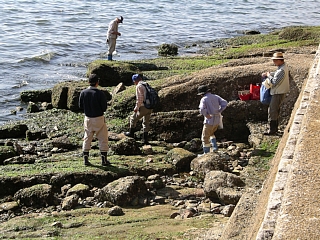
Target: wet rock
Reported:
[(37, 195), (180, 158), (123, 190), (115, 211), (223, 187)]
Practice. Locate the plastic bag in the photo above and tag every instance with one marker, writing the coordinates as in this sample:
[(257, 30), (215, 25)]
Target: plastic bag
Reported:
[(220, 126)]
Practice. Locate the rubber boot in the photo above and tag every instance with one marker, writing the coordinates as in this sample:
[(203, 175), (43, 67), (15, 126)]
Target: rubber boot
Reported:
[(206, 150), (214, 144), (145, 138), (130, 133), (273, 128), (110, 57), (104, 161), (86, 158)]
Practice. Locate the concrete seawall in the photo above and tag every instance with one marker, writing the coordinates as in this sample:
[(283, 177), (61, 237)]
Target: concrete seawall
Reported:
[(293, 202)]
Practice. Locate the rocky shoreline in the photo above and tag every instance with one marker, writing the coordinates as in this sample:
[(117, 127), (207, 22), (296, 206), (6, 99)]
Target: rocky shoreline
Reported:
[(40, 157)]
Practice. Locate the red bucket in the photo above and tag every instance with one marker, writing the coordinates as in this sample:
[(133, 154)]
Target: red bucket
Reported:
[(255, 92), (244, 95)]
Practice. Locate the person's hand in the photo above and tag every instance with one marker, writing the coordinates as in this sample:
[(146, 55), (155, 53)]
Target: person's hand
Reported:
[(208, 116), (263, 74), (119, 34)]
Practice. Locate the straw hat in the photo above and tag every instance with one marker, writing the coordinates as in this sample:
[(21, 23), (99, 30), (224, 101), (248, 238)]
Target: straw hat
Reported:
[(278, 55)]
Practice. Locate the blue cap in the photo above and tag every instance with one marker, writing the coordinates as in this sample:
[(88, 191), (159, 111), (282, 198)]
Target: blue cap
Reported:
[(136, 77)]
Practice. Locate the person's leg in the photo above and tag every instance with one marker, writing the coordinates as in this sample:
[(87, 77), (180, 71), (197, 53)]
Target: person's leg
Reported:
[(205, 138), (112, 47), (213, 139), (87, 139), (102, 136), (134, 118), (146, 123), (274, 112)]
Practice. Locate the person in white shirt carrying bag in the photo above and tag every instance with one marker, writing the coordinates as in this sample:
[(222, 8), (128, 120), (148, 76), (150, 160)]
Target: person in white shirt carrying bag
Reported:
[(278, 82)]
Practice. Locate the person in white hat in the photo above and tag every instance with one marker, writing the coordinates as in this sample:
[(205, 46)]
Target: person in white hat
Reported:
[(112, 35), (278, 82)]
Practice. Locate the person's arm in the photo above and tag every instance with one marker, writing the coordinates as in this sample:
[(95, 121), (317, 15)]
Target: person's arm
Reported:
[(203, 109), (278, 77), (81, 101), (139, 96), (223, 104)]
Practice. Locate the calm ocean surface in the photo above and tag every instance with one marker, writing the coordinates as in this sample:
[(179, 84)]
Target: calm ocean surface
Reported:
[(46, 42)]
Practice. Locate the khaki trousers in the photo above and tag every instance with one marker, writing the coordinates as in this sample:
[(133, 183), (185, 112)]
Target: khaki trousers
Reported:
[(112, 45), (144, 113), (95, 126), (207, 134)]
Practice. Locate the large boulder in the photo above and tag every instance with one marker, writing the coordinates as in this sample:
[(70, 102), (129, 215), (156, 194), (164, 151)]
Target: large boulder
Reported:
[(123, 190), (223, 187), (209, 162), (180, 158), (36, 96), (40, 195), (113, 73), (126, 146)]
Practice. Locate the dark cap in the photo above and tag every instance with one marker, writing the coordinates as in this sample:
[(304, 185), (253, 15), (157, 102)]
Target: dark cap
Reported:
[(136, 77), (93, 78), (120, 19), (203, 89)]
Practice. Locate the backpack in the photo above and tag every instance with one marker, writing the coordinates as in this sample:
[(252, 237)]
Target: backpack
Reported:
[(265, 96), (152, 97)]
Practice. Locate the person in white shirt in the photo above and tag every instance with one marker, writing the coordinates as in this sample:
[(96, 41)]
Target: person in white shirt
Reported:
[(112, 35), (211, 106)]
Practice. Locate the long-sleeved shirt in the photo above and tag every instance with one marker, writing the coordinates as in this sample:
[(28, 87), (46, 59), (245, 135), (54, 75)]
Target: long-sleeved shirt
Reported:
[(140, 95), (113, 29), (93, 102), (278, 81), (213, 105)]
